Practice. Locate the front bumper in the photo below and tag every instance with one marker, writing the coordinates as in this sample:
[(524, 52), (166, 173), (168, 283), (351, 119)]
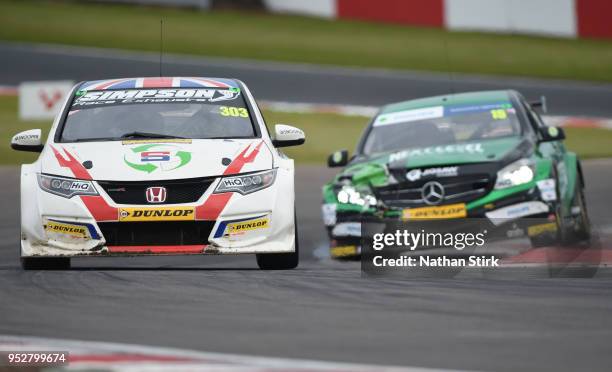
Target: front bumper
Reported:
[(527, 212), (230, 223)]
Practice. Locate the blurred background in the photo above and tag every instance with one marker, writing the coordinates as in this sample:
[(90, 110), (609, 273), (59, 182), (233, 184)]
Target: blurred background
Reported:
[(322, 65)]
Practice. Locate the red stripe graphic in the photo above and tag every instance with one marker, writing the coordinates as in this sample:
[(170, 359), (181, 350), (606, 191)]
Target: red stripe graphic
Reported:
[(75, 166), (214, 205), (157, 82), (157, 249), (97, 206)]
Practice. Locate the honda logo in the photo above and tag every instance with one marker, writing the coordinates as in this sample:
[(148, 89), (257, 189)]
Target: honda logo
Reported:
[(156, 194)]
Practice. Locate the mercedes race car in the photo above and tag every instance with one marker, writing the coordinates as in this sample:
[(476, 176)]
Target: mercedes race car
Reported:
[(173, 165), (484, 155)]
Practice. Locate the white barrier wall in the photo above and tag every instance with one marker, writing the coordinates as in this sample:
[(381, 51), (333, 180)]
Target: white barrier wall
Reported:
[(317, 8), (546, 17)]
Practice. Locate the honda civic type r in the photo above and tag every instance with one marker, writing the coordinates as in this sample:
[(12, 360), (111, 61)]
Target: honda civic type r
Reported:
[(177, 165)]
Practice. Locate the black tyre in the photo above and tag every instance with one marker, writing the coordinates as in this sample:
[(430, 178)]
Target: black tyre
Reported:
[(281, 261), (45, 263), (581, 228)]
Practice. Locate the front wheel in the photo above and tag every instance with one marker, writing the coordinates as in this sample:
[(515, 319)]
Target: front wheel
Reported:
[(581, 227), (45, 263), (281, 261)]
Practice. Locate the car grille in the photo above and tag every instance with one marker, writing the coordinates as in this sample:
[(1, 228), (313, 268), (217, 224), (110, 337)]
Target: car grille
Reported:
[(177, 191), (459, 189), (156, 233)]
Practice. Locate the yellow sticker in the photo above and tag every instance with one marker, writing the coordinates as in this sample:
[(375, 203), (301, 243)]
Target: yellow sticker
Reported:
[(343, 251), (541, 229), (499, 114), (234, 111), (156, 214), (432, 213), (67, 228), (242, 226)]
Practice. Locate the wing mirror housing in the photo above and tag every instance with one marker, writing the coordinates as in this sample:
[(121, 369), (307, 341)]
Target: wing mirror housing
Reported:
[(338, 159), (551, 134), (29, 140), (286, 135)]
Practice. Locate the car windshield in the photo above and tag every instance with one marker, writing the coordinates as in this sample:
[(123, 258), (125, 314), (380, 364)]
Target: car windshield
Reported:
[(157, 113), (441, 125)]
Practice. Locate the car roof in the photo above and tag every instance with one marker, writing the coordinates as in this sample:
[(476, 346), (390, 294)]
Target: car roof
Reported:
[(451, 99), (159, 82)]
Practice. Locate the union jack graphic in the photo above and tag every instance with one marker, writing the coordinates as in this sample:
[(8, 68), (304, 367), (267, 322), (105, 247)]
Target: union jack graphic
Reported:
[(159, 82)]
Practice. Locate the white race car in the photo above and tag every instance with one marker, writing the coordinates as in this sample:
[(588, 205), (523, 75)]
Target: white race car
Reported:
[(177, 165)]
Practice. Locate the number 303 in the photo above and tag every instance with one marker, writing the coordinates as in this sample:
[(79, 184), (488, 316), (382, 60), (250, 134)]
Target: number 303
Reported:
[(234, 111)]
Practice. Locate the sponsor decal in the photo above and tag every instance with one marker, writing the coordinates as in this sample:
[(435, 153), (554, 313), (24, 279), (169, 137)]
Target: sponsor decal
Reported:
[(241, 226), (68, 229), (344, 251), (504, 214), (153, 157), (540, 229), (347, 229), (26, 137), (498, 110), (553, 131), (131, 96), (156, 214), (468, 148), (548, 190), (417, 174), (409, 115), (441, 212), (73, 229)]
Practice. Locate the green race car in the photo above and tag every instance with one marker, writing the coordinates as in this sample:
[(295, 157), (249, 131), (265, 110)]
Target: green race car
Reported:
[(483, 155)]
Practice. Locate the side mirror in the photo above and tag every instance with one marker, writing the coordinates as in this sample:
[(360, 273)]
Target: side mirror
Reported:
[(338, 159), (29, 140), (550, 134), (286, 135)]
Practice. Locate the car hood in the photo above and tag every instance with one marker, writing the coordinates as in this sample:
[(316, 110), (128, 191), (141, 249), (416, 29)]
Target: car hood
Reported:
[(155, 160), (465, 153), (372, 170)]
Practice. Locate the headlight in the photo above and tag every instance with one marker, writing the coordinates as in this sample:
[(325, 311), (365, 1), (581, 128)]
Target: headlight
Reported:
[(517, 173), (348, 195), (248, 183), (66, 187)]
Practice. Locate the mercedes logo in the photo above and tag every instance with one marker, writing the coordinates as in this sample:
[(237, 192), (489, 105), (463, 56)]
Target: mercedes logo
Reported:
[(432, 193)]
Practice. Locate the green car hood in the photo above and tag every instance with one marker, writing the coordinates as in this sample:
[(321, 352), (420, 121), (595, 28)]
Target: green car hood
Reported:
[(372, 169), (464, 153)]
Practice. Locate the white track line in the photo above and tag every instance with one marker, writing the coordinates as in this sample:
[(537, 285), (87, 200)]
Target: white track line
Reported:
[(114, 358)]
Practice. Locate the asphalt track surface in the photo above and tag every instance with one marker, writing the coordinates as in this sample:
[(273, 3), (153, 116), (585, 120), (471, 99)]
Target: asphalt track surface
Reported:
[(290, 82), (323, 310)]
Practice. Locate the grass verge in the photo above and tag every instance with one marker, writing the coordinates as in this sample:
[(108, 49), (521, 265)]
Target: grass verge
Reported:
[(303, 39), (325, 133)]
